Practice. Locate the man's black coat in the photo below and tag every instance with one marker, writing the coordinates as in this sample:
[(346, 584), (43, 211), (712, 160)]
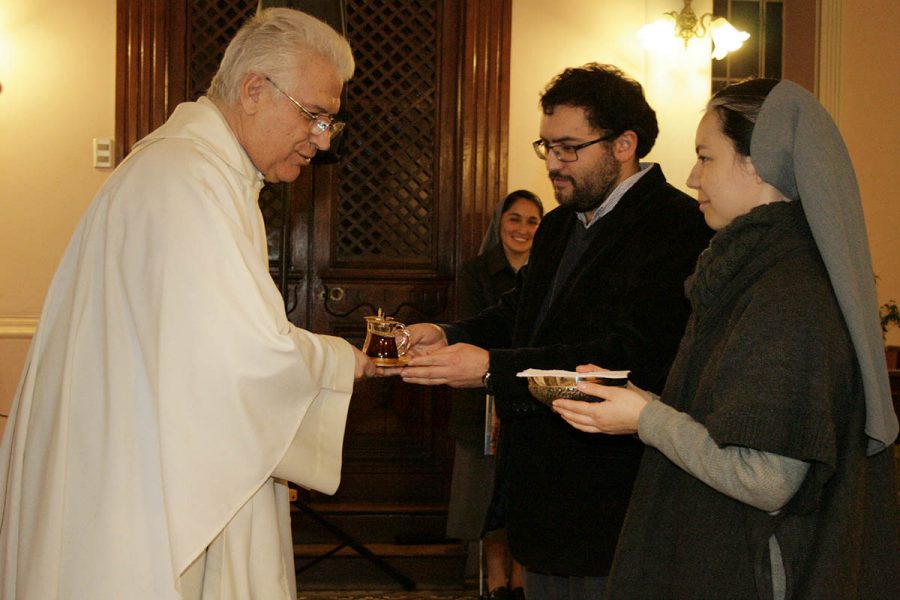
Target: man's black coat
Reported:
[(561, 493)]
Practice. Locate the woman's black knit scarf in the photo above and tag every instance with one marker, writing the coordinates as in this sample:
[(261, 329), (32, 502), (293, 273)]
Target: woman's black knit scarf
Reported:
[(730, 250)]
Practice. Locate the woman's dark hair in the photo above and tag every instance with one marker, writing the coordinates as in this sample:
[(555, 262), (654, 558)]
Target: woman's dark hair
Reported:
[(611, 100), (738, 106), (522, 195)]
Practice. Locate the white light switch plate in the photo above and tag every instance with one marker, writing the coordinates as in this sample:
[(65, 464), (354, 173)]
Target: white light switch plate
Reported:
[(103, 153)]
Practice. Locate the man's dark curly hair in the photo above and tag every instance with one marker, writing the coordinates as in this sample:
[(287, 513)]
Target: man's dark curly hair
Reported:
[(612, 101)]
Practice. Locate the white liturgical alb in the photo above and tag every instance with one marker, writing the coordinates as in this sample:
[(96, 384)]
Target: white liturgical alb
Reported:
[(163, 388)]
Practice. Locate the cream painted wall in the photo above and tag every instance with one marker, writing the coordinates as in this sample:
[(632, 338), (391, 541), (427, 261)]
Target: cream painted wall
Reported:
[(12, 355), (869, 120), (59, 92), (57, 69)]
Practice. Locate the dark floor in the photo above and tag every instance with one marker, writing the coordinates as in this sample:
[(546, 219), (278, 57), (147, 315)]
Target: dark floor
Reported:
[(392, 595)]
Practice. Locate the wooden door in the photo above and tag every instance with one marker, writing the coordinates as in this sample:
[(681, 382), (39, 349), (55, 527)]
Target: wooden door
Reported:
[(388, 213), (421, 165)]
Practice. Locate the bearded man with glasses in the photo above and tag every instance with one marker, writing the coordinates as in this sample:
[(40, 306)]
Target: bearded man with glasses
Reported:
[(603, 285), (166, 394)]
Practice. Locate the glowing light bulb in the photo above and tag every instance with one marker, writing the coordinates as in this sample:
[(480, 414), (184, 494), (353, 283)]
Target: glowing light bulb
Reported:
[(657, 35), (725, 38)]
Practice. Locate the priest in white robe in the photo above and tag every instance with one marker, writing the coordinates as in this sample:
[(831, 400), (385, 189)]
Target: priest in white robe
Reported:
[(165, 394)]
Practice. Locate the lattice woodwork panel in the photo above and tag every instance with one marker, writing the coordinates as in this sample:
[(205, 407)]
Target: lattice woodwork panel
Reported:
[(213, 24), (386, 191)]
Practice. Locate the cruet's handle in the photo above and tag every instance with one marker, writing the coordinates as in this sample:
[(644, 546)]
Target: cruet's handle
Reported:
[(401, 336)]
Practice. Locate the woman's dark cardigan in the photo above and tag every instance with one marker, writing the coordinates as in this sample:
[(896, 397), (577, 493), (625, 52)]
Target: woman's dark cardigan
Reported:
[(766, 363)]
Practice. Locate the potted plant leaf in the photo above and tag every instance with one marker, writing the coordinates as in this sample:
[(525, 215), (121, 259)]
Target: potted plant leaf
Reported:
[(890, 317)]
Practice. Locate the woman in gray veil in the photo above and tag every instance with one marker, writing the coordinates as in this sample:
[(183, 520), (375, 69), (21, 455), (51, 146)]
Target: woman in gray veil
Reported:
[(482, 280), (769, 471)]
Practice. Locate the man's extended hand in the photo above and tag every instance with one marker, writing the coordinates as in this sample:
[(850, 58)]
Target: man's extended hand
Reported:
[(423, 339), (459, 365)]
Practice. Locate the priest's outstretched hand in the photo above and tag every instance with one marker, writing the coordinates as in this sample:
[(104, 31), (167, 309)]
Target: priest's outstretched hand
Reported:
[(364, 365)]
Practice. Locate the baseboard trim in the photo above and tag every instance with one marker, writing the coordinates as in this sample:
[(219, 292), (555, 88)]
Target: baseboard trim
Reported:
[(17, 328)]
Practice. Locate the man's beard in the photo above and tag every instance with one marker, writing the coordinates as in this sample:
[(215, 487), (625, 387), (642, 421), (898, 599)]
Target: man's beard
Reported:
[(594, 189)]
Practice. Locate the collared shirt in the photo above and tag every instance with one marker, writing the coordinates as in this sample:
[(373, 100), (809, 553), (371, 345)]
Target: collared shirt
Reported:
[(614, 197)]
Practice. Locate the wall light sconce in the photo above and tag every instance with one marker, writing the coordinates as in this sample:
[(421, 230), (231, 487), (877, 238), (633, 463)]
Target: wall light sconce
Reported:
[(687, 26), (4, 53)]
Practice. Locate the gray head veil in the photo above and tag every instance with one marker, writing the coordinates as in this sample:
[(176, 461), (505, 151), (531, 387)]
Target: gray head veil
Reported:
[(492, 235), (797, 148)]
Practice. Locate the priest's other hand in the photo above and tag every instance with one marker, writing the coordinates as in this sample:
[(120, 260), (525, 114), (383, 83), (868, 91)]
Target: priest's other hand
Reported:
[(364, 365), (620, 413), (459, 366)]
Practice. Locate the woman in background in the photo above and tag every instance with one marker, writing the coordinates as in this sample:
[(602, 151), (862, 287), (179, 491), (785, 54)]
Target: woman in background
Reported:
[(482, 280), (769, 471)]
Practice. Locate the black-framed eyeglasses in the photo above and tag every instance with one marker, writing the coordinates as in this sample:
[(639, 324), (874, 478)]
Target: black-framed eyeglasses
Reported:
[(319, 123), (566, 152)]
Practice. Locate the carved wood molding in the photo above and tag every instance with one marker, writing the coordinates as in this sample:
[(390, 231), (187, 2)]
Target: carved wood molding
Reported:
[(150, 48), (484, 118)]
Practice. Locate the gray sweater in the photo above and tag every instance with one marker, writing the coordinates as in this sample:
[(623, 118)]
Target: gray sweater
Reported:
[(761, 479)]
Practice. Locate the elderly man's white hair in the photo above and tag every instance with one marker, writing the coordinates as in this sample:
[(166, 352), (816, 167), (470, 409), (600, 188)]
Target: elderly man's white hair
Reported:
[(274, 43)]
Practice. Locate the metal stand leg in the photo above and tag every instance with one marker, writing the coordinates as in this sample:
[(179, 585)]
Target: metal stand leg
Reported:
[(480, 569), (348, 541)]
